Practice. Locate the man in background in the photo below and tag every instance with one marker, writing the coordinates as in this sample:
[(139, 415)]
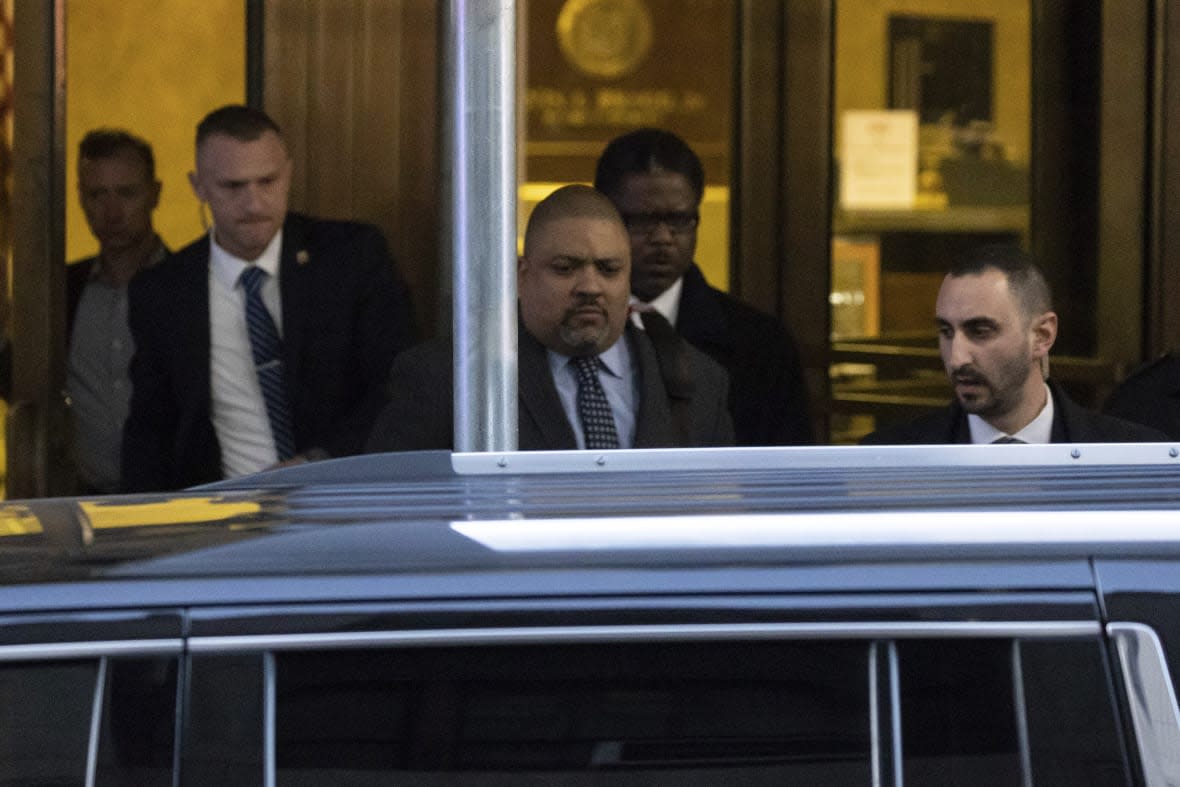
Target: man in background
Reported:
[(266, 341), (996, 325), (118, 190), (656, 181)]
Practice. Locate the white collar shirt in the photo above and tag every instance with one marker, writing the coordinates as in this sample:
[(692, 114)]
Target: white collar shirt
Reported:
[(238, 409), (1038, 431), (666, 303)]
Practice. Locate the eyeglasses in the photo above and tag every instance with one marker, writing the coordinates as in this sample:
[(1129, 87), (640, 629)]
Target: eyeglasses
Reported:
[(646, 223)]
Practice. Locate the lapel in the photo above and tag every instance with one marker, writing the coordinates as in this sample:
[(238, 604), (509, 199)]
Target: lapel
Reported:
[(190, 303), (539, 402), (957, 429), (295, 280), (701, 319), (654, 427), (1068, 426)]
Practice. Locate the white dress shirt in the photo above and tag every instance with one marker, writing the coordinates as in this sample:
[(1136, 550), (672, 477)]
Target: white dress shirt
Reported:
[(1038, 431), (666, 303), (239, 411)]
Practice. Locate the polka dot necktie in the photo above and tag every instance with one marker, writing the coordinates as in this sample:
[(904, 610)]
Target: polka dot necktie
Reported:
[(598, 422), (266, 347)]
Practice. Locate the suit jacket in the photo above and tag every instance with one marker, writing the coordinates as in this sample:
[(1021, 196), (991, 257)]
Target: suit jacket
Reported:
[(1151, 396), (77, 274), (1071, 424), (420, 413), (767, 390), (345, 316)]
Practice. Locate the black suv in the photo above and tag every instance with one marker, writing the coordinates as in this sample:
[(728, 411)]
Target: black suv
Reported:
[(808, 616)]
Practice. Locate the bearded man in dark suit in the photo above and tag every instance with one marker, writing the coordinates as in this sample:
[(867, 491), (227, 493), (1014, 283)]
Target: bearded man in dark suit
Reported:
[(576, 344), (996, 326), (266, 341)]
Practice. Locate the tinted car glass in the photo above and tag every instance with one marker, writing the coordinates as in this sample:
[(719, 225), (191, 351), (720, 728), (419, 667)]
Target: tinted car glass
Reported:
[(683, 714), (45, 712), (983, 712), (138, 732), (223, 728), (47, 715)]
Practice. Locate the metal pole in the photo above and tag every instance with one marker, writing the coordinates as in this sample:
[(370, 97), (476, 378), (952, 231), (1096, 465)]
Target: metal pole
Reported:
[(479, 182)]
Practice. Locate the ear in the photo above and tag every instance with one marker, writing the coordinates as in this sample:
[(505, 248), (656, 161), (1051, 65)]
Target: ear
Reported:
[(157, 187), (1044, 333), (195, 182)]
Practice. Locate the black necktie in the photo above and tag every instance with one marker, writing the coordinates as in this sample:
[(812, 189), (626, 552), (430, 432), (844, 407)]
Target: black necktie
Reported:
[(598, 422), (1007, 440), (268, 362)]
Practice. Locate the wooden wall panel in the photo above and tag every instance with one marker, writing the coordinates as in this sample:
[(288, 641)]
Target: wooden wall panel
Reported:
[(354, 86)]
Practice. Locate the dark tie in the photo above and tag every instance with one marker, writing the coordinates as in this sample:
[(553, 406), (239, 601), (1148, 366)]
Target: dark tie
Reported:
[(268, 362), (598, 422), (1007, 440)]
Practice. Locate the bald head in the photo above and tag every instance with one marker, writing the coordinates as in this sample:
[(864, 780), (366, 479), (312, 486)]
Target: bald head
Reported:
[(573, 280), (569, 202)]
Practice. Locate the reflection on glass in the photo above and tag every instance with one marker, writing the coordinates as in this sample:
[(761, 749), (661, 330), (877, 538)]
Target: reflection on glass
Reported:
[(931, 144), (597, 70)]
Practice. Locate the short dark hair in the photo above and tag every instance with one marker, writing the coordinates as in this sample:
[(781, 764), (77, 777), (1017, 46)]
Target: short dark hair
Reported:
[(243, 123), (1025, 279), (643, 152), (569, 202), (103, 143)]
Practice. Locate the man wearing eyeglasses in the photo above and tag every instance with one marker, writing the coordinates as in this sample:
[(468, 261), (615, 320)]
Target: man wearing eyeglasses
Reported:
[(656, 181)]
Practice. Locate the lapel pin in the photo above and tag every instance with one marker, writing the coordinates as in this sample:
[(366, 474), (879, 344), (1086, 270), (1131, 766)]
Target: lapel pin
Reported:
[(301, 257)]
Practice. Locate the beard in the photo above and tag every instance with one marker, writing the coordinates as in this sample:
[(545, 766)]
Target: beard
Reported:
[(990, 395), (583, 334)]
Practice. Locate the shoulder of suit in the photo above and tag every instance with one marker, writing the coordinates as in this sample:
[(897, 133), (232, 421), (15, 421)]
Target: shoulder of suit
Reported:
[(738, 312), (85, 262), (310, 228), (930, 429), (1167, 365), (189, 261)]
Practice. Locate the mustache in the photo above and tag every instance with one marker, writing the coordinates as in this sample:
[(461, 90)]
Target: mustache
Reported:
[(968, 374), (584, 301)]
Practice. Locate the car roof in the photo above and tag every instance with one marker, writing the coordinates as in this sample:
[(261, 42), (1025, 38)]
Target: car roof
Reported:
[(435, 512)]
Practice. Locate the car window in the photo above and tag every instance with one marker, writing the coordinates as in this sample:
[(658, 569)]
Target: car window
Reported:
[(47, 722), (963, 712)]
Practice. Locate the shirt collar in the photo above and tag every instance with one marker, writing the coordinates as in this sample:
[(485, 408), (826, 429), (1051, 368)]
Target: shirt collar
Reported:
[(666, 303), (1038, 431), (157, 255), (615, 360), (228, 268)]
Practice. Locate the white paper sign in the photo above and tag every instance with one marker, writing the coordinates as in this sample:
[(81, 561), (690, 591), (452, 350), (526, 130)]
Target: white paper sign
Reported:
[(879, 161)]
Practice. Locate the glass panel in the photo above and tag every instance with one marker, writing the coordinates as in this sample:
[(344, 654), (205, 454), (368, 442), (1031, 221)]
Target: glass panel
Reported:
[(223, 734), (932, 135), (652, 714), (596, 70), (138, 731), (962, 714), (45, 712)]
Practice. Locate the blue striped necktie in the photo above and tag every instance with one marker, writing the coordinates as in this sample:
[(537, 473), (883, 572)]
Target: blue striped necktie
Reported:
[(598, 421), (268, 362)]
